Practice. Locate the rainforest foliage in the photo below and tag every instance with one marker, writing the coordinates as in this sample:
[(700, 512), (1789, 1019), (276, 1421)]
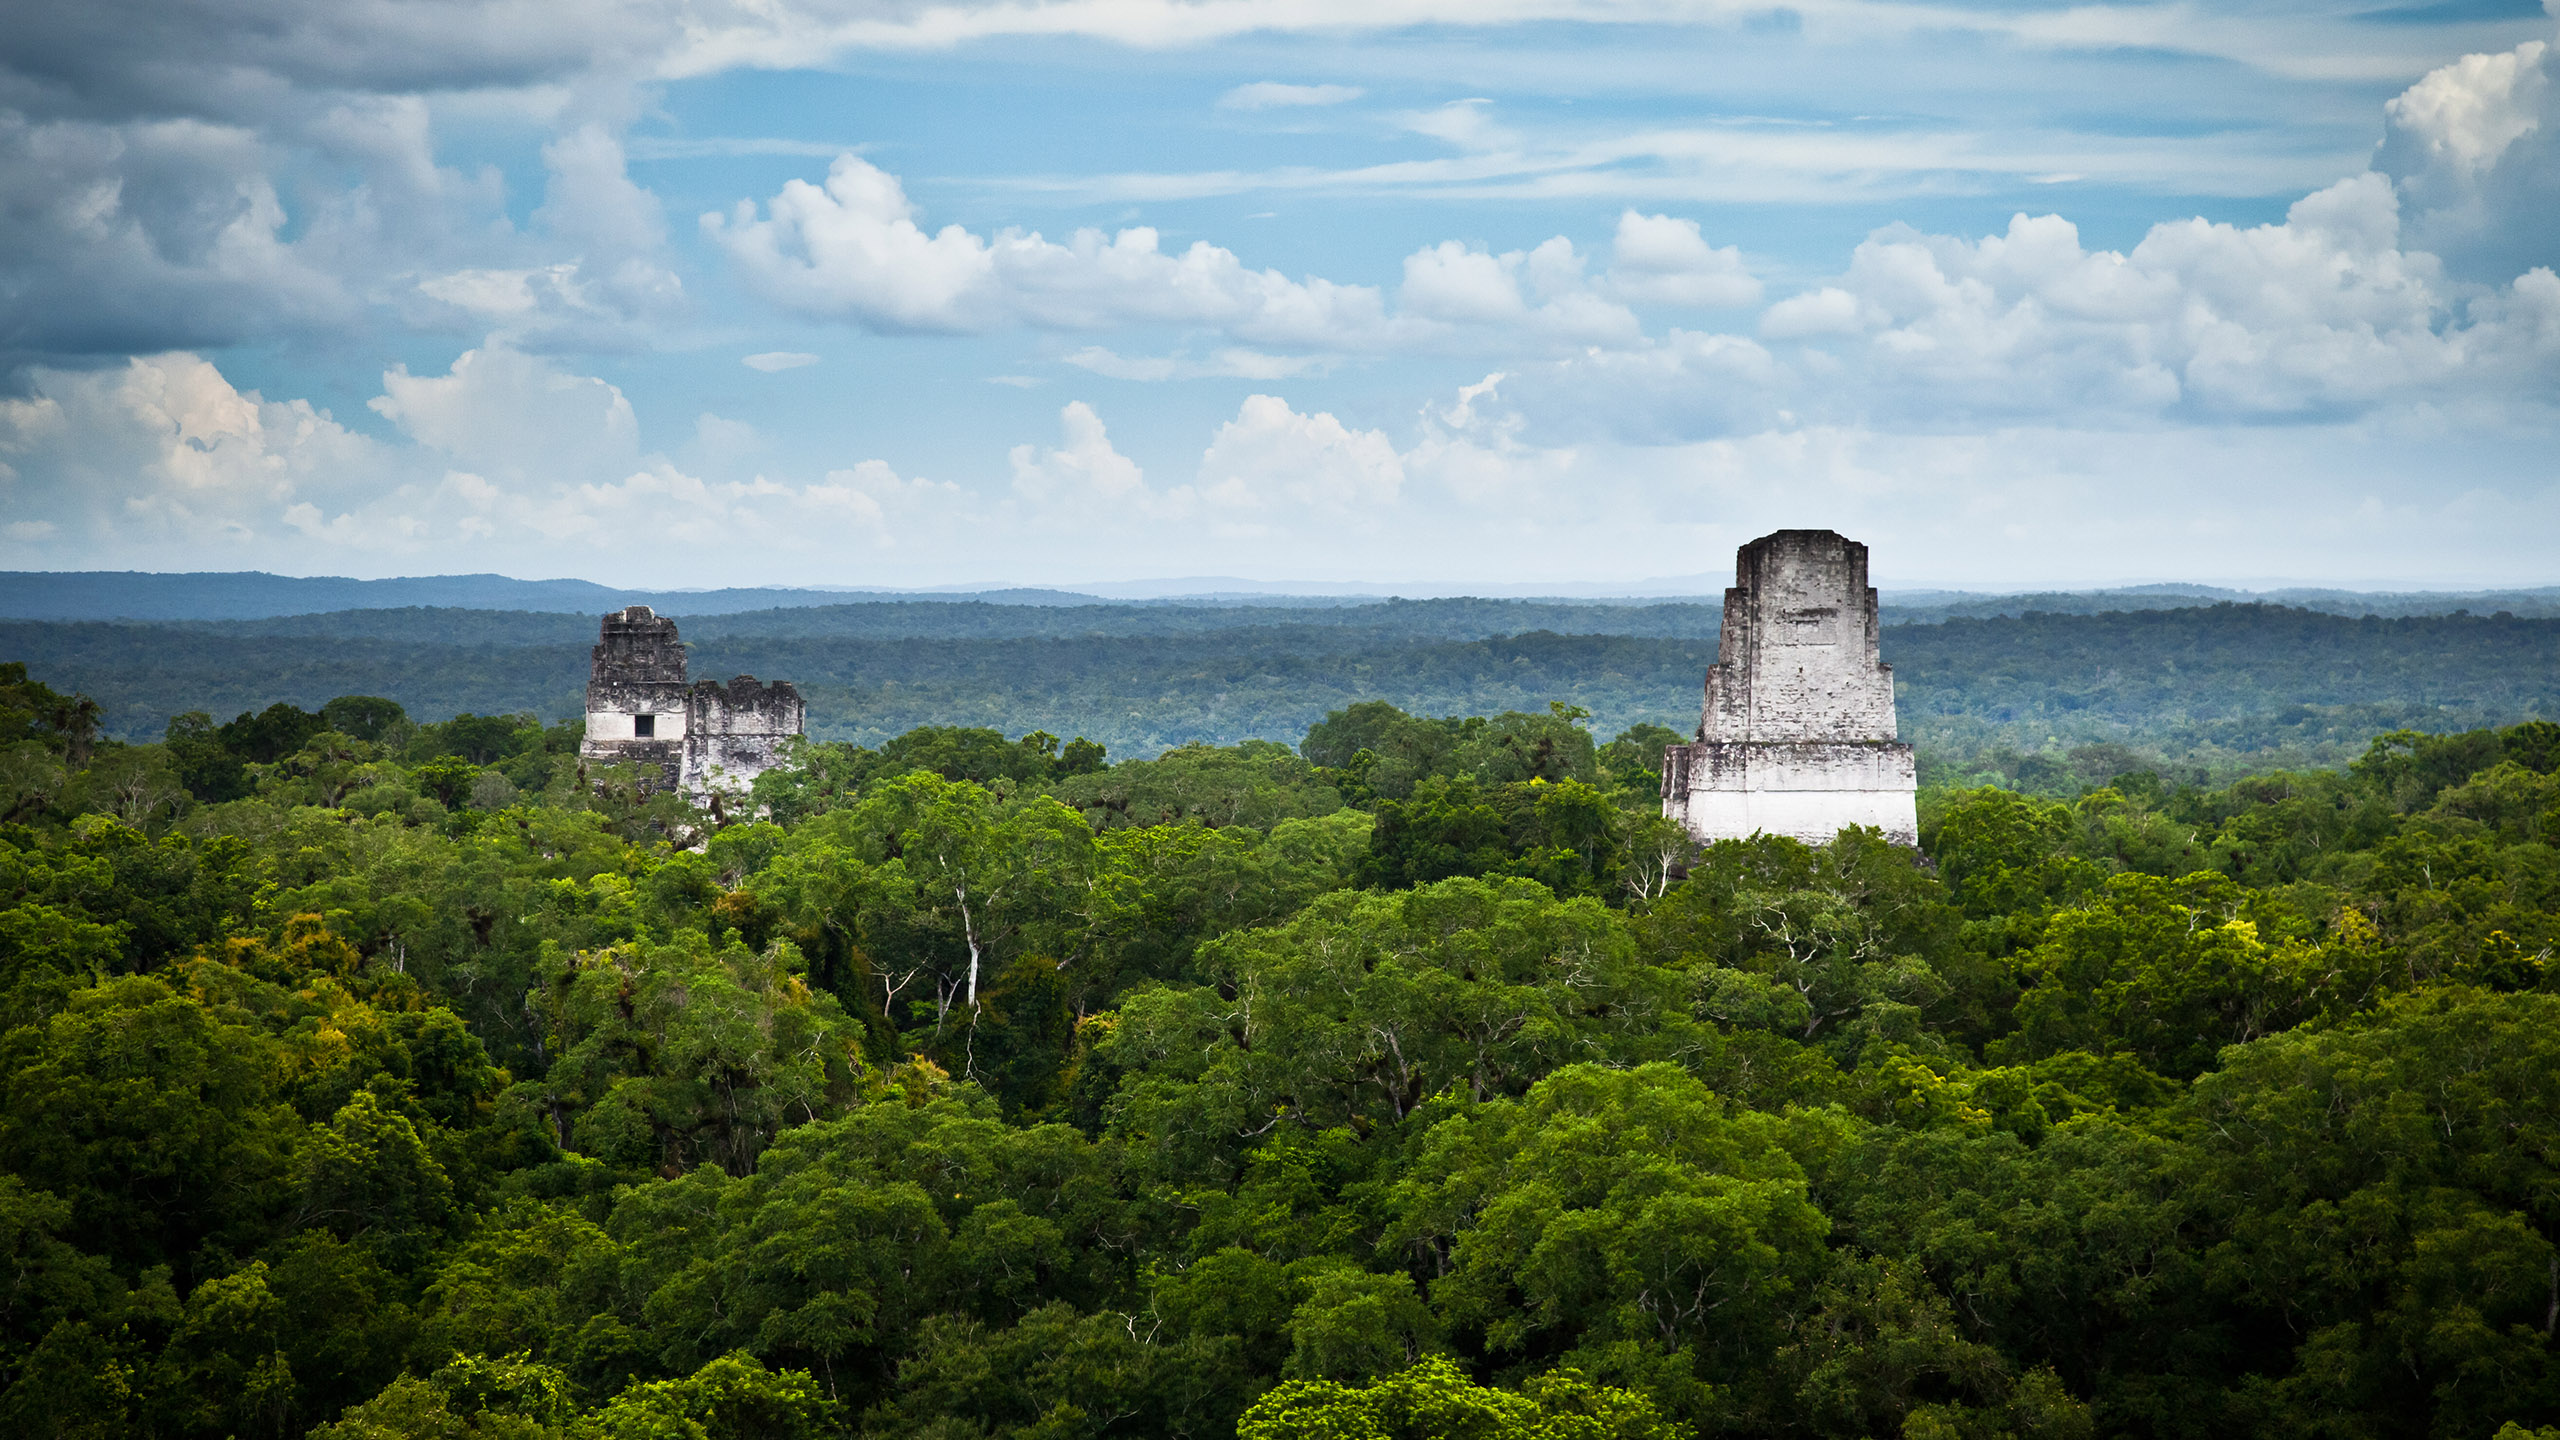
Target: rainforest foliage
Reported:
[(377, 1080)]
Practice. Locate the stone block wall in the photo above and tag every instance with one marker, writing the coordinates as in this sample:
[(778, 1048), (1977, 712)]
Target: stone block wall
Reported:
[(737, 731), (1807, 790), (1797, 657)]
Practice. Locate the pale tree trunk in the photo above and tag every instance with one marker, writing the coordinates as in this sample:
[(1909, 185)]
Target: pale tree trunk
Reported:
[(969, 931)]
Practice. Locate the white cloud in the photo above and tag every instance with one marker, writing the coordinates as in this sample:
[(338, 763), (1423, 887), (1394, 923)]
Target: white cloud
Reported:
[(591, 199), (1233, 362), (495, 295), (164, 463), (1472, 450), (1084, 469), (1540, 295), (1270, 454), (784, 36), (612, 287), (661, 512), (2466, 114), (888, 506), (2324, 313), (163, 456), (1829, 310), (1683, 386), (551, 307), (1273, 95), (618, 226), (1466, 287), (2475, 149), (497, 409), (1736, 161), (725, 444), (1466, 124), (1660, 260), (770, 361), (853, 250)]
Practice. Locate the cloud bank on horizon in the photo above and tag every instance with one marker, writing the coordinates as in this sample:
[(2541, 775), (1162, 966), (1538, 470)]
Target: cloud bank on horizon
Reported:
[(1570, 290)]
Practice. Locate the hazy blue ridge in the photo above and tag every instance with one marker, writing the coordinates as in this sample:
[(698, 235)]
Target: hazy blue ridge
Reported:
[(2215, 686), (256, 596)]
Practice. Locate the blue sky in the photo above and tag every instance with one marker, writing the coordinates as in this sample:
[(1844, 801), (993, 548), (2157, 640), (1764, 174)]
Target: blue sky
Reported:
[(1429, 295)]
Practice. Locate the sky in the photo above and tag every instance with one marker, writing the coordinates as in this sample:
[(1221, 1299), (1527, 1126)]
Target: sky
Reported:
[(1406, 293)]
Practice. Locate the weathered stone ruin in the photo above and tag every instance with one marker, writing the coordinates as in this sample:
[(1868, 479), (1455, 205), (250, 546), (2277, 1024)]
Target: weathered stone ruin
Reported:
[(1797, 736), (703, 736)]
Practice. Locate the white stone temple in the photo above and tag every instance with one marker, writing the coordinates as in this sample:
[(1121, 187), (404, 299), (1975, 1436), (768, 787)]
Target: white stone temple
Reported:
[(1797, 736), (702, 735)]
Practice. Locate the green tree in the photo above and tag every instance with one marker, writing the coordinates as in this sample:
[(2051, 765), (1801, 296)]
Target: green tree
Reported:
[(33, 711), (2167, 971), (2388, 1188), (1434, 1400), (671, 1055), (1614, 1206), (155, 1117)]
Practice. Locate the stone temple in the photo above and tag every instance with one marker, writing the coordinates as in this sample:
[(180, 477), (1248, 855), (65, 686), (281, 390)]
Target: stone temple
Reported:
[(704, 737), (1797, 737)]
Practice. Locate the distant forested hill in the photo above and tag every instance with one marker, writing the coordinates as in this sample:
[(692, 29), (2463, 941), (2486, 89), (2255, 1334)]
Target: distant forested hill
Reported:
[(2220, 687), (252, 594), (255, 595), (1921, 607), (1366, 622)]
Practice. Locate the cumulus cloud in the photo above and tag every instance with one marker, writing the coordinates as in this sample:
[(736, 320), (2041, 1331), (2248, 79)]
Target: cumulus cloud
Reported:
[(2325, 313), (2475, 149), (162, 456), (591, 200), (853, 250), (1686, 385), (1271, 455), (616, 225), (2465, 115), (1828, 310), (1273, 95), (497, 409), (1270, 471), (146, 236), (770, 361), (182, 178), (1665, 261), (1471, 448), (164, 462), (612, 283), (1542, 293), (1083, 468)]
